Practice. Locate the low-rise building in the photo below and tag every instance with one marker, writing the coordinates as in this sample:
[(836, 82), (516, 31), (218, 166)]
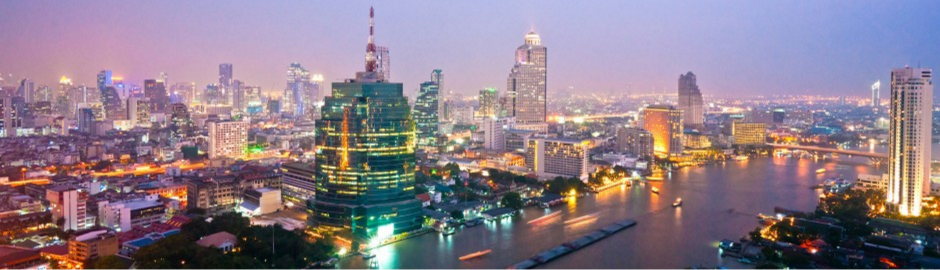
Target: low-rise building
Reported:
[(91, 245)]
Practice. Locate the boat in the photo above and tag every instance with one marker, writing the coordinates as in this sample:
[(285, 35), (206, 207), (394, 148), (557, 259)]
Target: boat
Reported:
[(582, 218), (473, 222), (475, 254), (655, 190), (677, 203), (820, 171), (740, 158), (545, 217)]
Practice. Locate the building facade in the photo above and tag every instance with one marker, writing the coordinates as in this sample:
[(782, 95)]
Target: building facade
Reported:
[(489, 103), (909, 139), (298, 183), (550, 158), (427, 115), (665, 124), (749, 133), (228, 139), (635, 142)]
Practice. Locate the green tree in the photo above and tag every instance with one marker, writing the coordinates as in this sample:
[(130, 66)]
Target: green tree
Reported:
[(457, 214), (755, 235), (110, 262), (512, 200), (452, 169)]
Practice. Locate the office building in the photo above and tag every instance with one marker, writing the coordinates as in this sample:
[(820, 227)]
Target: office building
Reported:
[(180, 122), (494, 130), (635, 142), (138, 111), (260, 201), (228, 139), (156, 92), (125, 215), (365, 162), (553, 157), (27, 90), (690, 102), (665, 124), (516, 139), (86, 121), (239, 104), (383, 62), (12, 110), (527, 85), (427, 115), (298, 79), (749, 133), (876, 94), (69, 204), (84, 248), (225, 81), (298, 182), (909, 139), (489, 103)]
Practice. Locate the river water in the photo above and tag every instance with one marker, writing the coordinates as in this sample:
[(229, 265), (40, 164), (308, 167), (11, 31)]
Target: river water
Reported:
[(721, 201)]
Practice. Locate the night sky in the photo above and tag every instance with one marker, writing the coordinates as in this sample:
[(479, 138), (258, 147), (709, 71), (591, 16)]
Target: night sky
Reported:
[(735, 47)]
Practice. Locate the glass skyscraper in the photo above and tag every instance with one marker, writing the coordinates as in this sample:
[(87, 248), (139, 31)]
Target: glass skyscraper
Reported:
[(365, 161), (427, 112)]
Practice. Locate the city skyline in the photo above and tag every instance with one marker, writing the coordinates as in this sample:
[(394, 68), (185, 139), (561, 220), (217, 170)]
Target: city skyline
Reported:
[(699, 36)]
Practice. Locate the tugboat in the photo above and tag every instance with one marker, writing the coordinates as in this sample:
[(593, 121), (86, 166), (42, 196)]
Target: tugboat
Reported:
[(677, 203), (655, 190)]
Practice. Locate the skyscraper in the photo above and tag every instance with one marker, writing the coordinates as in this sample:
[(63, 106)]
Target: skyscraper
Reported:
[(239, 104), (365, 162), (635, 142), (27, 90), (226, 79), (384, 62), (527, 82), (156, 92), (228, 139), (690, 101), (427, 113), (909, 139), (876, 94), (552, 157), (665, 124), (104, 79), (180, 122), (298, 80), (489, 103), (11, 115), (138, 111)]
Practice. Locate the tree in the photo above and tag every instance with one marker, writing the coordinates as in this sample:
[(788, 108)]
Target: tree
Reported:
[(110, 262), (512, 200), (755, 235), (452, 169), (457, 214)]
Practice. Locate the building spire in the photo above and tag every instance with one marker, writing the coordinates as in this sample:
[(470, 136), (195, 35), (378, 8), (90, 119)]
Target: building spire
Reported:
[(370, 48)]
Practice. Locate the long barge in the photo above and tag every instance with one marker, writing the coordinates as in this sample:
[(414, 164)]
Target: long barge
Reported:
[(573, 245)]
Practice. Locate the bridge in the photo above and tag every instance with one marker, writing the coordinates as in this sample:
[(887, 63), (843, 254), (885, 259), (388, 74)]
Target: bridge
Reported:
[(876, 158)]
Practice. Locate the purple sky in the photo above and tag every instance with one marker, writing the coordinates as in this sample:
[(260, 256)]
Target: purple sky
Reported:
[(735, 47)]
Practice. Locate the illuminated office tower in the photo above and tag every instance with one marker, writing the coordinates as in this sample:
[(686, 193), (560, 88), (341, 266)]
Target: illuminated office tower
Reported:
[(489, 103), (635, 142), (298, 80), (180, 122), (228, 139), (138, 111), (27, 90), (156, 92), (104, 79), (909, 139), (383, 62), (690, 101), (239, 104), (11, 115), (365, 161), (876, 94), (226, 79), (665, 124), (69, 205), (526, 83), (427, 113), (749, 133)]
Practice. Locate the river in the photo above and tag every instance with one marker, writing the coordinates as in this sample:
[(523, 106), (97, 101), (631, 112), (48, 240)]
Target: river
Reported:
[(721, 201)]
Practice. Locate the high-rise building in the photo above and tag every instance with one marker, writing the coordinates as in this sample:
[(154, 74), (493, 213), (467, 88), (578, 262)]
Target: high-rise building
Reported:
[(125, 215), (27, 90), (489, 103), (635, 142), (226, 79), (239, 103), (876, 94), (298, 79), (427, 114), (365, 162), (86, 121), (383, 62), (690, 101), (749, 133), (494, 132), (228, 139), (138, 111), (11, 115), (527, 85), (909, 139), (665, 124), (156, 92), (104, 79), (69, 204), (180, 122), (552, 157)]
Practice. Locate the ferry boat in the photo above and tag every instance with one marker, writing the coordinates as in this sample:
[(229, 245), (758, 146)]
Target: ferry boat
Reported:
[(677, 203), (740, 158), (475, 254), (655, 190), (820, 171)]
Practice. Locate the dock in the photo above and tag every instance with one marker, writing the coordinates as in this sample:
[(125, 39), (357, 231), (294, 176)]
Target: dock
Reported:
[(573, 245)]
